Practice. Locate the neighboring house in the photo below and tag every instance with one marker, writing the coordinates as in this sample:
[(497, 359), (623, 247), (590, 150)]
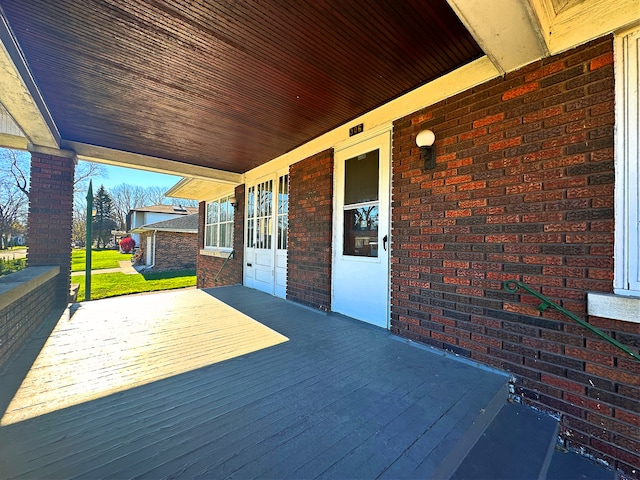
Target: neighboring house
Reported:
[(12, 241), (140, 216), (171, 244)]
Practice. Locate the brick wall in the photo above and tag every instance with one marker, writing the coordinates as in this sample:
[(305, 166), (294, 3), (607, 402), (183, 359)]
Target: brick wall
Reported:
[(208, 266), (20, 318), (176, 250), (50, 217), (310, 231), (523, 189)]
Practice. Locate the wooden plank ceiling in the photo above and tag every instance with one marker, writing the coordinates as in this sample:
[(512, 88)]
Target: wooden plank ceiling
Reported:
[(228, 84)]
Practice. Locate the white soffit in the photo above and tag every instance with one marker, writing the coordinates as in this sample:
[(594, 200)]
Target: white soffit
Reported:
[(506, 30), (571, 23), (18, 100), (200, 190)]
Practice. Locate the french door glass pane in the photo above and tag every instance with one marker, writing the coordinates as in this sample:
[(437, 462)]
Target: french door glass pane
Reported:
[(250, 233), (283, 211)]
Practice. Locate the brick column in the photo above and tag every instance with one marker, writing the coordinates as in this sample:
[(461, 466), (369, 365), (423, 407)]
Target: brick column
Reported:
[(50, 216)]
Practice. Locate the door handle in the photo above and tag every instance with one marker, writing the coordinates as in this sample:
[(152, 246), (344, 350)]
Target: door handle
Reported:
[(384, 242)]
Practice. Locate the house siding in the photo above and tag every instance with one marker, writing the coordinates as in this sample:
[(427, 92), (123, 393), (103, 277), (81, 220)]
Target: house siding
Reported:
[(310, 231), (209, 267), (523, 189)]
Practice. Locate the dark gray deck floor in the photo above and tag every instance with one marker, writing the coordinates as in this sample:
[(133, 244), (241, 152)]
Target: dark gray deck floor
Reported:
[(339, 399)]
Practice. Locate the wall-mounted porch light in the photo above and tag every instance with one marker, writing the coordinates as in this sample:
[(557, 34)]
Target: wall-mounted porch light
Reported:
[(425, 140), (233, 202)]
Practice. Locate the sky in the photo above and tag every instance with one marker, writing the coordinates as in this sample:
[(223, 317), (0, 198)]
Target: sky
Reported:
[(142, 178)]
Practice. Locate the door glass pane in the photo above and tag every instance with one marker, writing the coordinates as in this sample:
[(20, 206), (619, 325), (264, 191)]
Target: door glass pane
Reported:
[(250, 234), (251, 202), (361, 231), (361, 178)]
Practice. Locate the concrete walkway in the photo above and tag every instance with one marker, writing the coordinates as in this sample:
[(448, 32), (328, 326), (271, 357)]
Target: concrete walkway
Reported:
[(125, 267), (13, 254)]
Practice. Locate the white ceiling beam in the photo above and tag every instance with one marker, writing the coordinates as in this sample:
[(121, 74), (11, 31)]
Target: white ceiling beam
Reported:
[(92, 153), (507, 31), (13, 142)]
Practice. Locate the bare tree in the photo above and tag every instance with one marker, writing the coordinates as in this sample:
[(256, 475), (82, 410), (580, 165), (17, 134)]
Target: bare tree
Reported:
[(14, 191), (185, 202), (126, 197), (155, 195), (86, 171), (19, 168), (13, 210)]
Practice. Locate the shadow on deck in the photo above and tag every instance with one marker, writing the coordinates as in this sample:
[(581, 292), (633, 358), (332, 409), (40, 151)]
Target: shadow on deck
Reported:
[(233, 383)]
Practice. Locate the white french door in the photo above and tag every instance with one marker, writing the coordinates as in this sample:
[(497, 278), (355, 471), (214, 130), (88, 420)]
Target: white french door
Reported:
[(360, 283), (267, 220)]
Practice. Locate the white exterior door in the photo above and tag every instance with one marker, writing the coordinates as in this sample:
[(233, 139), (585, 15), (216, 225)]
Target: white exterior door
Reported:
[(265, 256), (360, 284)]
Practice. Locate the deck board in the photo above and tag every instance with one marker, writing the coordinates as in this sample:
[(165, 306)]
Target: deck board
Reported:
[(337, 398)]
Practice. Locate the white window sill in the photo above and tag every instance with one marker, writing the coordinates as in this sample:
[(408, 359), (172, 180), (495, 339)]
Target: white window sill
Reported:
[(216, 252), (615, 307)]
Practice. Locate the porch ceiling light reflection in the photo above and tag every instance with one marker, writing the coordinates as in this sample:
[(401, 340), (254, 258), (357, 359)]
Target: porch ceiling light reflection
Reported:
[(425, 140), (113, 345)]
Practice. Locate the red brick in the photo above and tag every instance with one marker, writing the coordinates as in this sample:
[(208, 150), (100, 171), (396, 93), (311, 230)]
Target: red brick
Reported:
[(472, 185), (512, 142), (587, 403), (563, 383), (421, 118), (601, 61), (628, 417), (589, 356), (478, 132), (488, 120), (545, 71), (613, 374), (519, 91)]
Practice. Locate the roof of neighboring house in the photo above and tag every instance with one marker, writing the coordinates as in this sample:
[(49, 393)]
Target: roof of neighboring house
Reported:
[(176, 209), (183, 224)]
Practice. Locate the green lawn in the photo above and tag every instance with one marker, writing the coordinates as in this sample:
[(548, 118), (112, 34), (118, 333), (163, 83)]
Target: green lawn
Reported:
[(99, 259), (106, 285)]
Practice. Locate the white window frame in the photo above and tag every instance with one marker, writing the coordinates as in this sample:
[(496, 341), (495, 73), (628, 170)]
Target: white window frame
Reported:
[(213, 247), (624, 304), (627, 272)]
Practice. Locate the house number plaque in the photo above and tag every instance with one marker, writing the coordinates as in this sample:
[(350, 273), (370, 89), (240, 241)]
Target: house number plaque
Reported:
[(356, 130)]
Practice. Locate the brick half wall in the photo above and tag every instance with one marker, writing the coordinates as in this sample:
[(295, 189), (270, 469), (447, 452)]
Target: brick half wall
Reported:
[(27, 298), (523, 189), (310, 231)]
